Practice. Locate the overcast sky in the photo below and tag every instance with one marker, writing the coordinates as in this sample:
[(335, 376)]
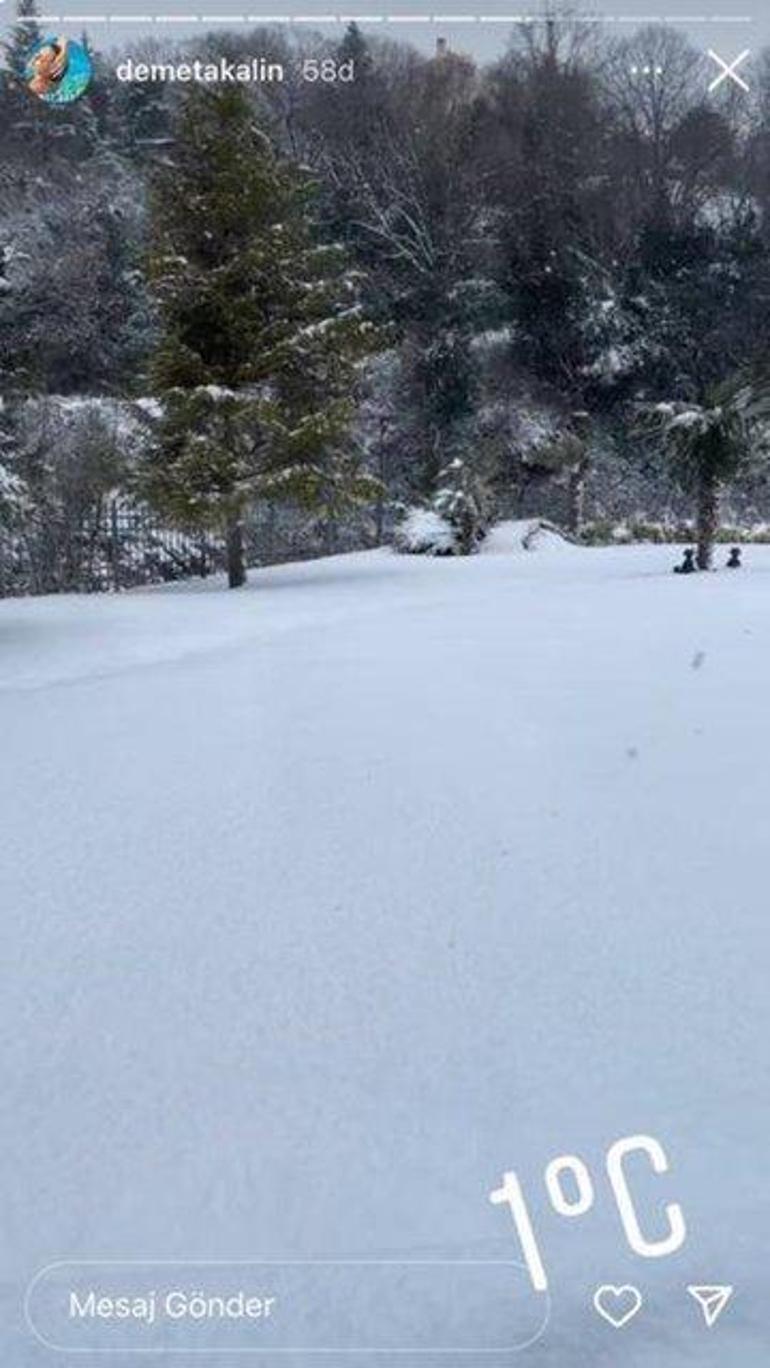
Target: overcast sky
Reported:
[(727, 26)]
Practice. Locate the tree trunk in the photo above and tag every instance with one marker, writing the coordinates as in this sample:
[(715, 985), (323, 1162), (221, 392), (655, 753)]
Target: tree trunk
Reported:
[(576, 497), (708, 518), (236, 559)]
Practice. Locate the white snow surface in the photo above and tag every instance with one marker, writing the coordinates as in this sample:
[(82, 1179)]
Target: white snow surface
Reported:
[(327, 901)]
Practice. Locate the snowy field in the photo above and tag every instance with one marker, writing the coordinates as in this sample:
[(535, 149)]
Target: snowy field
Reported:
[(326, 902)]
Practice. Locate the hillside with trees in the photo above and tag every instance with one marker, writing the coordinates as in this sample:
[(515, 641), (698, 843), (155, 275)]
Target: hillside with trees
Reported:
[(245, 325)]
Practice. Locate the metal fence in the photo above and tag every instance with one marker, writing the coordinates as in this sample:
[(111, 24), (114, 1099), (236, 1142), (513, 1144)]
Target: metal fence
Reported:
[(118, 545)]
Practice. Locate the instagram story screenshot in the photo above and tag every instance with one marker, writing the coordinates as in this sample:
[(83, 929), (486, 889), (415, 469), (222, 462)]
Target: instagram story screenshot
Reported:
[(384, 680)]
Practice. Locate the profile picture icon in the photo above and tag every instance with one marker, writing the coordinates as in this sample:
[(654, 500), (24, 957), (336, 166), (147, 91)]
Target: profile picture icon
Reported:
[(58, 70)]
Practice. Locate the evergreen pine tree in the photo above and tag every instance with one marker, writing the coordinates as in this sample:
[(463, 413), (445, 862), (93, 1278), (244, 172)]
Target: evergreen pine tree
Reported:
[(20, 114), (464, 501), (25, 33), (261, 331), (355, 48)]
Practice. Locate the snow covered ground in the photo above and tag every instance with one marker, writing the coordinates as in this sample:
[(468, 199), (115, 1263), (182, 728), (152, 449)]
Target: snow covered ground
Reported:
[(326, 902)]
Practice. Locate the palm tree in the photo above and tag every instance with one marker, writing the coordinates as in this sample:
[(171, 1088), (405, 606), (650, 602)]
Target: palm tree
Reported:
[(709, 443)]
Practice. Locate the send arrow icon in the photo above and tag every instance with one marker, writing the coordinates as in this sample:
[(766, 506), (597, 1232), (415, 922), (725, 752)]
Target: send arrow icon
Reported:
[(712, 1301)]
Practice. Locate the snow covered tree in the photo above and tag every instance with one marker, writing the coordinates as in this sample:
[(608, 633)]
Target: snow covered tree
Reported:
[(354, 48), (24, 34), (91, 225), (456, 520), (566, 455), (399, 155), (463, 499), (12, 490), (21, 115), (136, 114), (262, 331), (709, 442)]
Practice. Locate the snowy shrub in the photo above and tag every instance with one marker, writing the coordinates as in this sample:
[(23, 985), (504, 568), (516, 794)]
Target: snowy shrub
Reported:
[(455, 522), (464, 501), (492, 339), (424, 532), (629, 531)]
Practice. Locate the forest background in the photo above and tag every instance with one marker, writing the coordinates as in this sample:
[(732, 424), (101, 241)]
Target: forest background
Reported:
[(487, 275)]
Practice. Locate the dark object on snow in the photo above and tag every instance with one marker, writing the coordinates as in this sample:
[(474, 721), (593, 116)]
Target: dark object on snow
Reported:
[(734, 562), (688, 566)]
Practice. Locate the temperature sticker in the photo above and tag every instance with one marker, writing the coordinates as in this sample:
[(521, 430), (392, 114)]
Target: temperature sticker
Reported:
[(570, 1190)]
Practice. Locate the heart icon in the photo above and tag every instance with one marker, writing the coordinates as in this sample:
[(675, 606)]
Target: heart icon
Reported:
[(618, 1305)]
